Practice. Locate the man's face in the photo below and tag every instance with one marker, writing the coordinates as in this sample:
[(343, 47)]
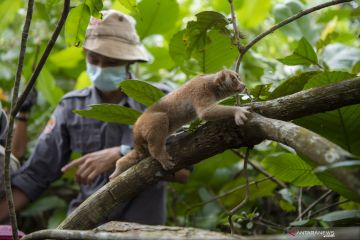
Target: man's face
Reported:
[(102, 61)]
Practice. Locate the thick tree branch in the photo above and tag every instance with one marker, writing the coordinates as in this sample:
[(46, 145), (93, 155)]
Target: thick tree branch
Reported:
[(210, 139)]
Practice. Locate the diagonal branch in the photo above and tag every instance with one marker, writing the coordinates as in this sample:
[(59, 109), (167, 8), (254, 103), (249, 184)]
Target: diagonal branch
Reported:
[(213, 138)]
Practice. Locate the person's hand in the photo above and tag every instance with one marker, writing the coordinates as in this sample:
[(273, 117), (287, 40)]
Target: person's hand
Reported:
[(93, 164), (29, 101)]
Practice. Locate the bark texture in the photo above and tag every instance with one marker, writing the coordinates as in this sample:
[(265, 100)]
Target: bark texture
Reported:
[(218, 136)]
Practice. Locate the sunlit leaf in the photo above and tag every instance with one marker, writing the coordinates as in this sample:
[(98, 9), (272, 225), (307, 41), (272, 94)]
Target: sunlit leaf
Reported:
[(156, 16), (76, 24), (46, 85), (252, 13), (141, 91), (83, 81), (68, 58), (110, 113), (304, 54), (8, 12)]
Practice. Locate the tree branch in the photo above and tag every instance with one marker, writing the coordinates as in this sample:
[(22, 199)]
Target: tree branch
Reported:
[(43, 58), (7, 179), (213, 138), (287, 21)]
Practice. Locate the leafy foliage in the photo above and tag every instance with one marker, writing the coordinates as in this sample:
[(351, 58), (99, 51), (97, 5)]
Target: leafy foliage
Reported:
[(304, 54)]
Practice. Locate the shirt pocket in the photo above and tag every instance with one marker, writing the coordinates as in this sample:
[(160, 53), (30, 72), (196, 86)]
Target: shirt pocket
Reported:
[(85, 138)]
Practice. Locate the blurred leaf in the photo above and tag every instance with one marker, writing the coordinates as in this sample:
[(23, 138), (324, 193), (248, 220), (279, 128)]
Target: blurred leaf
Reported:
[(83, 81), (46, 85), (252, 13), (156, 16), (162, 59), (195, 35), (341, 57), (348, 205), (42, 205), (327, 77), (261, 91), (286, 206), (292, 85), (76, 24), (177, 48), (304, 54), (8, 12), (95, 7), (356, 68), (344, 164), (217, 53), (141, 91), (68, 58), (291, 168), (262, 189), (57, 217), (303, 27), (345, 216), (129, 4), (110, 113)]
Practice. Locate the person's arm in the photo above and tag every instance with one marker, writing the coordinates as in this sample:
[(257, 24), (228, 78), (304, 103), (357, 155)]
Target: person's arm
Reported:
[(19, 140), (20, 201)]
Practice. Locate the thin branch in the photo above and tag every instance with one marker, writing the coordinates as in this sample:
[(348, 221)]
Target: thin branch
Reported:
[(287, 21), (237, 33), (23, 44), (247, 191), (263, 171), (329, 206), (301, 214), (43, 58)]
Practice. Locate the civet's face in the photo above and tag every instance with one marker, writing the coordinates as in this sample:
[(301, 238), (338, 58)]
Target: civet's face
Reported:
[(229, 83)]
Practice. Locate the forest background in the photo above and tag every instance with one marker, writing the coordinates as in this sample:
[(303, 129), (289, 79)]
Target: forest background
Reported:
[(186, 38)]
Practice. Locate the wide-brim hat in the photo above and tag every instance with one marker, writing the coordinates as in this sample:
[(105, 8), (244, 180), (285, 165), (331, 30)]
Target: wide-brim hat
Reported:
[(115, 36)]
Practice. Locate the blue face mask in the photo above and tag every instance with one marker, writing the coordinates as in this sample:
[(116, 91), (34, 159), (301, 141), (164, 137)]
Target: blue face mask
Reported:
[(108, 78)]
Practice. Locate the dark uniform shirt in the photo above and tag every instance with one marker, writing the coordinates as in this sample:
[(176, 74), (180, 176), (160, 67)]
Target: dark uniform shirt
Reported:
[(67, 132)]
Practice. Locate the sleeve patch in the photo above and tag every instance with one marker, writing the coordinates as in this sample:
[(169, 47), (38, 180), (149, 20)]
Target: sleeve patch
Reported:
[(50, 125)]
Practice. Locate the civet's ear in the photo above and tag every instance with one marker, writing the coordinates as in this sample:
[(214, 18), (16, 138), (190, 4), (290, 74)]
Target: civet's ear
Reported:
[(220, 77)]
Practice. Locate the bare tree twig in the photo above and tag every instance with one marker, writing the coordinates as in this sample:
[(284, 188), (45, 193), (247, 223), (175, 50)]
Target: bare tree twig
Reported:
[(301, 214), (263, 171), (329, 206), (23, 44), (43, 58), (287, 21), (237, 33), (247, 191)]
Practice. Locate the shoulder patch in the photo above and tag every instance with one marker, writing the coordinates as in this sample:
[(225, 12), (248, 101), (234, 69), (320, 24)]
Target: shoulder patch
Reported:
[(50, 125), (78, 93)]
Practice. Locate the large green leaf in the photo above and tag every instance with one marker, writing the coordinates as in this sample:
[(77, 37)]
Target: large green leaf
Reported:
[(46, 85), (345, 216), (217, 53), (156, 16), (141, 91), (110, 113), (292, 85), (95, 7), (76, 24), (304, 54), (177, 48), (341, 126), (291, 168), (195, 35), (303, 27), (252, 13), (68, 58)]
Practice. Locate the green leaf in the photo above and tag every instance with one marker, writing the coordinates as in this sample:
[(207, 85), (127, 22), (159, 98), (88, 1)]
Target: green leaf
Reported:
[(261, 91), (95, 7), (141, 91), (345, 216), (156, 17), (128, 4), (217, 53), (292, 85), (195, 35), (83, 81), (252, 13), (162, 59), (46, 85), (303, 27), (43, 204), (68, 58), (304, 54), (291, 168), (8, 12), (110, 113), (341, 126), (177, 48), (341, 57), (76, 24)]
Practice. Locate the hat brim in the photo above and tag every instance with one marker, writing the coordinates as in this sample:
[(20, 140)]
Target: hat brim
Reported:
[(113, 48)]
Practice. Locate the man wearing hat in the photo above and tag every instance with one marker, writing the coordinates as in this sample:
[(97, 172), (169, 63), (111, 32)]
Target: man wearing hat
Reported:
[(111, 46)]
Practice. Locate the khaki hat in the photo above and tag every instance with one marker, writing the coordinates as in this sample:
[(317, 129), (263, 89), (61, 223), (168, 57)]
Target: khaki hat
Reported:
[(115, 36)]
